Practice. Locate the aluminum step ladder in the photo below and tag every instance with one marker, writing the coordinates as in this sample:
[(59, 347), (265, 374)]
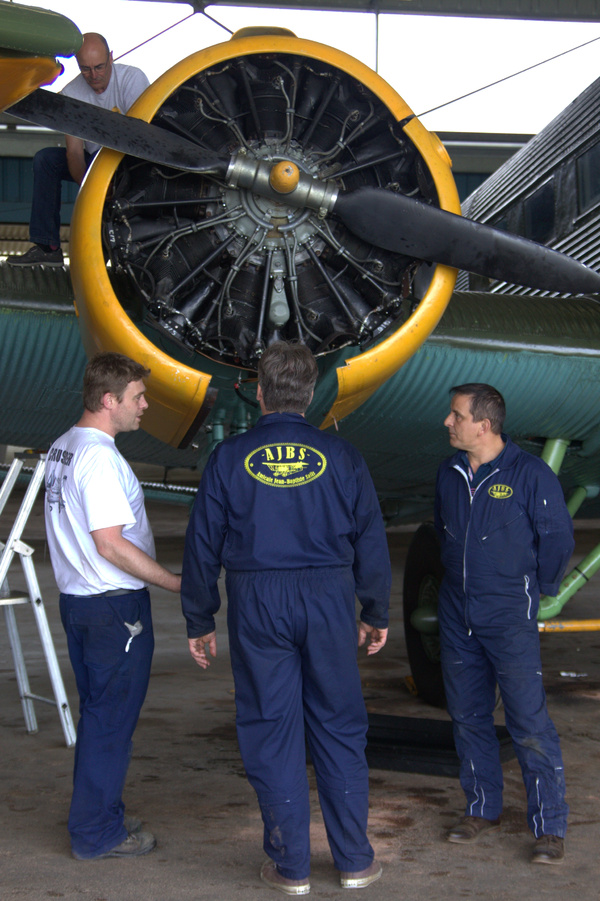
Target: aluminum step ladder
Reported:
[(9, 600)]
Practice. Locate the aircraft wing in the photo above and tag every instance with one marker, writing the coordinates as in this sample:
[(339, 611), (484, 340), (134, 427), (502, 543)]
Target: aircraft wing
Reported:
[(30, 41)]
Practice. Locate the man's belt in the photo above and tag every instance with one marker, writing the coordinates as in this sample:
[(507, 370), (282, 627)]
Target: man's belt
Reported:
[(116, 592)]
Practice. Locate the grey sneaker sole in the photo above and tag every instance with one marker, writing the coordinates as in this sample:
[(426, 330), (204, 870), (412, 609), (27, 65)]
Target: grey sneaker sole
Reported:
[(349, 881), (133, 846), (270, 876)]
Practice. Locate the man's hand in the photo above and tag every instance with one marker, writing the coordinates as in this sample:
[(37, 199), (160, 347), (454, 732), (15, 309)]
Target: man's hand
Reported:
[(377, 637), (198, 649)]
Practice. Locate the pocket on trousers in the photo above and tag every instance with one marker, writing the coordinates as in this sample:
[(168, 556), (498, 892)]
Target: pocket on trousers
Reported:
[(103, 637)]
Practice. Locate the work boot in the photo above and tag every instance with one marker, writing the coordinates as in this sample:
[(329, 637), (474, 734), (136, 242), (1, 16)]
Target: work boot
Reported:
[(37, 256), (548, 849), (469, 829), (361, 878), (271, 875)]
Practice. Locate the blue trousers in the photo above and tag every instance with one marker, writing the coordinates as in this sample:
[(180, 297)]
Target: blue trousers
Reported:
[(472, 664), (49, 171), (293, 643), (112, 674)]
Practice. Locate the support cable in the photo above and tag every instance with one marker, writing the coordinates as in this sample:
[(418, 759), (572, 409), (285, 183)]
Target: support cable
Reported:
[(507, 77), (168, 28)]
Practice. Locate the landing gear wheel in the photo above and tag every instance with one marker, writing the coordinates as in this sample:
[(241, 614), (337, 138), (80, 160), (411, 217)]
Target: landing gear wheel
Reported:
[(422, 576)]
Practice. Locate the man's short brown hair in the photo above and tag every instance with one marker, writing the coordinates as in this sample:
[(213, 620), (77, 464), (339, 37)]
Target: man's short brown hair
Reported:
[(486, 402), (287, 374), (109, 373)]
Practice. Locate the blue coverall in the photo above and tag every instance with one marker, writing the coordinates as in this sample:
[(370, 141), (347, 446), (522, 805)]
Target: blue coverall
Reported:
[(501, 546), (292, 515)]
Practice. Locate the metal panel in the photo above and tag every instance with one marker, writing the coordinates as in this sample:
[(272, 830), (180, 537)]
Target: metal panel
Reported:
[(41, 367), (551, 154), (516, 344)]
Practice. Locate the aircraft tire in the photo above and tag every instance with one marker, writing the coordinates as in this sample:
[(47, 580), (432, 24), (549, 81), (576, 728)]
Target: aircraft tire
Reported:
[(422, 576)]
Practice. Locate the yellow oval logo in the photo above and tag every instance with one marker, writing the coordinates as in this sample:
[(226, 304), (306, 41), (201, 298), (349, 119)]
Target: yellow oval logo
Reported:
[(500, 491), (285, 465)]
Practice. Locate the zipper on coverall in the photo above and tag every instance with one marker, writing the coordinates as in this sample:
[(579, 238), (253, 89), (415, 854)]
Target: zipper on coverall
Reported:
[(471, 499)]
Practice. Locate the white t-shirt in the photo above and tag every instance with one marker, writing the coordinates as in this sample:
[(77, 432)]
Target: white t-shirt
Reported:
[(125, 86), (89, 486)]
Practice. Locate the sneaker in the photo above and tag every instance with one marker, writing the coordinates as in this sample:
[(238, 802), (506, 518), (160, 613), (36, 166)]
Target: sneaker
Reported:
[(469, 829), (548, 849), (133, 846), (271, 875), (37, 256), (361, 878)]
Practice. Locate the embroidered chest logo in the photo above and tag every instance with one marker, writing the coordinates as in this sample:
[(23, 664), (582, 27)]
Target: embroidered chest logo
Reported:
[(500, 492), (285, 465)]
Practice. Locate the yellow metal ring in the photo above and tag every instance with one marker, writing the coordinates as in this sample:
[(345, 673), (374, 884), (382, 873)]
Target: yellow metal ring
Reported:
[(176, 392)]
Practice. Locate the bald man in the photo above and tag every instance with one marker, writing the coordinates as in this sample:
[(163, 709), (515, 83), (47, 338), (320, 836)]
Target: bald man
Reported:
[(101, 83)]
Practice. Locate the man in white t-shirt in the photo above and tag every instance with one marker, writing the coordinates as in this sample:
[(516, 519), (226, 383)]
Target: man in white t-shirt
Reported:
[(102, 552), (101, 83)]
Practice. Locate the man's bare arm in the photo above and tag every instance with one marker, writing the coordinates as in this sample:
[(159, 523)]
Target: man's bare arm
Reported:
[(75, 158), (111, 545)]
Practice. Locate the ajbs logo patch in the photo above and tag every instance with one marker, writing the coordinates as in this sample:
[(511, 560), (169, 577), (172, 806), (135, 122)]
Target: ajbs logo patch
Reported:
[(285, 465), (500, 492)]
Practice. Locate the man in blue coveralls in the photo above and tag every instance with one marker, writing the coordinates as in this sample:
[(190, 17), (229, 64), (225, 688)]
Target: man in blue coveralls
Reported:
[(506, 536), (292, 514)]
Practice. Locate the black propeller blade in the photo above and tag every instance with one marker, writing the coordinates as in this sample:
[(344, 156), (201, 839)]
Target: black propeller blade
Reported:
[(392, 221), (124, 133), (403, 225)]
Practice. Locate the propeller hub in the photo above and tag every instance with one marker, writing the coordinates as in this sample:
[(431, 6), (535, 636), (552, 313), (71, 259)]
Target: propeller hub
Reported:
[(284, 177), (301, 189)]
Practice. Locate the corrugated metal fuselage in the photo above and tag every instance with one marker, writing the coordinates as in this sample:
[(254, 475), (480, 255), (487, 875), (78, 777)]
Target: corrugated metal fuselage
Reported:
[(543, 355)]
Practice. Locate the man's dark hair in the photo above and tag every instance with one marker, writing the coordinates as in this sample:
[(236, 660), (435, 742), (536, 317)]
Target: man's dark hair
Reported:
[(287, 374), (486, 403), (109, 373)]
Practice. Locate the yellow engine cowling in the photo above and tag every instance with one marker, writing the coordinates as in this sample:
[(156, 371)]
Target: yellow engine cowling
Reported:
[(180, 385)]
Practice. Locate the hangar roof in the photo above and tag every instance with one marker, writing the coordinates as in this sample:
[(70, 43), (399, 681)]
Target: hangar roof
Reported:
[(548, 10)]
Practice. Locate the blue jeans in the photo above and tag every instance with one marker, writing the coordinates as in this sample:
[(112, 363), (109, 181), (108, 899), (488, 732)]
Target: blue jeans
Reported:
[(293, 643), (50, 169), (112, 671)]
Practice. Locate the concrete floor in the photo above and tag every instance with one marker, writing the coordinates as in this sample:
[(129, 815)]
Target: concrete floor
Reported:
[(187, 782)]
